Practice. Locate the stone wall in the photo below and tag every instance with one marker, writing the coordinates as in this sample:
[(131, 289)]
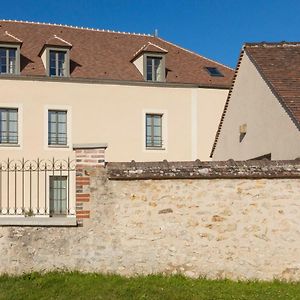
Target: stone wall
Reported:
[(236, 227)]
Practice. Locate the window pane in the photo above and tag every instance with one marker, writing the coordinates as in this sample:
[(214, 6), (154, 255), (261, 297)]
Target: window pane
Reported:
[(13, 115), (62, 128), (157, 120), (13, 126), (62, 116), (52, 116)]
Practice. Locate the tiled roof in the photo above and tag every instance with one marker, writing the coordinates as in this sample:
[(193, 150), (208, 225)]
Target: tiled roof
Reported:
[(279, 66), (99, 54)]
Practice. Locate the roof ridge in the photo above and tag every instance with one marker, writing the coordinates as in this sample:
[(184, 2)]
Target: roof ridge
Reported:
[(194, 53), (272, 44), (77, 27)]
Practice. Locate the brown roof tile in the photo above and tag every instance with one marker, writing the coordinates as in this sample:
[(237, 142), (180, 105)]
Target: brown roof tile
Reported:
[(97, 54)]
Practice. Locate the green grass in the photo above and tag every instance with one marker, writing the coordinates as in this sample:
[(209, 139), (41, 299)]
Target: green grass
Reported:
[(96, 286)]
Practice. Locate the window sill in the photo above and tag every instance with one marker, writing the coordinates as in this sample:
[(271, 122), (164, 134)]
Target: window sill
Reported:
[(155, 148), (10, 145), (45, 221), (59, 146)]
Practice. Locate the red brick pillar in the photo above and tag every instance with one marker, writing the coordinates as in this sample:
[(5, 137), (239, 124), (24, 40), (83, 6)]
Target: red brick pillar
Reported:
[(88, 156)]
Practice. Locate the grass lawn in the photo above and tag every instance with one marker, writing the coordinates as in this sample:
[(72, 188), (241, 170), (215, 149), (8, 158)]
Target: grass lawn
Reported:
[(97, 286)]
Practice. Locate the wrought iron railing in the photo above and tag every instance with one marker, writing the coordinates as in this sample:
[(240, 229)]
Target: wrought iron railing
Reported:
[(37, 187)]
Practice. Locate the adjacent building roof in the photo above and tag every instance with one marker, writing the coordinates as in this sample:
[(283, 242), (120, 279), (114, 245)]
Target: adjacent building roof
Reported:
[(99, 54), (279, 65)]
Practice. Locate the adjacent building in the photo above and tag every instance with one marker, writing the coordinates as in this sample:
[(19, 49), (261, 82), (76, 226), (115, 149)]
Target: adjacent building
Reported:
[(261, 118)]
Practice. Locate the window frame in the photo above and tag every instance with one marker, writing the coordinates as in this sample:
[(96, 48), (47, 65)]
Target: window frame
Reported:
[(164, 130), (7, 110), (17, 59), (67, 61), (57, 144), (162, 66), (19, 108), (67, 108), (152, 144), (67, 192)]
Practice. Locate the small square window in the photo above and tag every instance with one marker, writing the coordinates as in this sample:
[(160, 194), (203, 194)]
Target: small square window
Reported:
[(58, 195), (214, 72), (154, 131), (8, 126), (57, 127)]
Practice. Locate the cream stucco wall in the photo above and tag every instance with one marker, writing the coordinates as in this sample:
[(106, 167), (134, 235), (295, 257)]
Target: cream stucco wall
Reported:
[(114, 114), (269, 128)]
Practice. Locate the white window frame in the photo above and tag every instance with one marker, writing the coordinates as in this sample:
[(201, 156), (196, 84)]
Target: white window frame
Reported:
[(19, 107), (68, 109), (164, 124)]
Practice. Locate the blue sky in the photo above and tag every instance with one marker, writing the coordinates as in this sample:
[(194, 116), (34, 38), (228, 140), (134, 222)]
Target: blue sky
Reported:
[(213, 28)]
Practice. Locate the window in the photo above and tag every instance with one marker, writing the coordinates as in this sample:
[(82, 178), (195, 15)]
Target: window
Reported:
[(155, 69), (57, 63), (8, 60), (58, 195), (8, 126), (57, 127), (214, 72), (154, 130)]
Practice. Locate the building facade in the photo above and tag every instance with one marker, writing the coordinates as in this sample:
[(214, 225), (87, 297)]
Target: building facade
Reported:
[(146, 98)]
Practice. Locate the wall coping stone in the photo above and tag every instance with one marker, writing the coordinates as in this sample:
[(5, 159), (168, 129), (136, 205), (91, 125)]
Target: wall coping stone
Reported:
[(252, 169), (90, 146), (69, 221)]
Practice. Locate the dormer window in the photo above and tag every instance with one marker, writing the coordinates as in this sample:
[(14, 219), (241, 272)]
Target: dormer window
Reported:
[(55, 55), (150, 61), (9, 54), (8, 57), (58, 63), (155, 70)]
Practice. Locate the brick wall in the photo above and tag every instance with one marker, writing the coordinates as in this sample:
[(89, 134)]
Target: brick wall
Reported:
[(87, 156)]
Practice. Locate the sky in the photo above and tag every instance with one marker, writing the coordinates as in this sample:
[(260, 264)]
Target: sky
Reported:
[(215, 29)]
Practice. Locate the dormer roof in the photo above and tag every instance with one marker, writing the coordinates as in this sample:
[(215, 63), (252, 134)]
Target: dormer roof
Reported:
[(58, 41), (6, 37)]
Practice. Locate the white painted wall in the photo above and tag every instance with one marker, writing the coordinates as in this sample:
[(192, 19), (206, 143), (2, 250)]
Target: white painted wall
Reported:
[(114, 114)]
